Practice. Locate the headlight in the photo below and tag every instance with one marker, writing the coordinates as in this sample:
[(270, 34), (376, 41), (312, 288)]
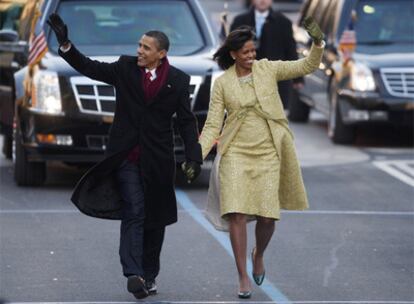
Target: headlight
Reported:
[(46, 93), (362, 78)]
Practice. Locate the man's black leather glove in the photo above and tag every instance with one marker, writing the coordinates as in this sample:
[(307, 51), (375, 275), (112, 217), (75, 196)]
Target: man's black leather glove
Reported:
[(313, 30), (59, 27), (191, 170)]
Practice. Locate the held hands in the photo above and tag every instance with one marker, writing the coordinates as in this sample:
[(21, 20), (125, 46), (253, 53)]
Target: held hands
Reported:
[(191, 170), (313, 30), (59, 27)]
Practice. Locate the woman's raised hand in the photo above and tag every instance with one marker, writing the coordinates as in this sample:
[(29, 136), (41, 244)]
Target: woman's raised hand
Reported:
[(313, 30)]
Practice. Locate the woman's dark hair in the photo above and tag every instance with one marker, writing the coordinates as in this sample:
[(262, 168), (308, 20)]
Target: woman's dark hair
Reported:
[(234, 42)]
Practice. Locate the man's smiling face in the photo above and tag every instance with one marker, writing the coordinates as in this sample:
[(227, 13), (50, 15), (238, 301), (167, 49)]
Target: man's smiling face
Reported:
[(149, 53)]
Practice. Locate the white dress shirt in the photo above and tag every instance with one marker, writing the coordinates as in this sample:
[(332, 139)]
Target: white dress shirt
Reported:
[(260, 18)]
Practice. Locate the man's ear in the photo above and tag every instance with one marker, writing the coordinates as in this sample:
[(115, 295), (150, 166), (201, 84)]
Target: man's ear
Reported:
[(163, 54)]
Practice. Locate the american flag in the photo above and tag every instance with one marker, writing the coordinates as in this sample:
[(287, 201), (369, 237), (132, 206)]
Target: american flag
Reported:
[(347, 42), (37, 46)]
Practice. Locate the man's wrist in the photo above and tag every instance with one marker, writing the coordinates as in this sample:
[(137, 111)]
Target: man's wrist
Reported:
[(65, 47)]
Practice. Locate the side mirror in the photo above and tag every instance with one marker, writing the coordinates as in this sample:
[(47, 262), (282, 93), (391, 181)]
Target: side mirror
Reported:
[(8, 36)]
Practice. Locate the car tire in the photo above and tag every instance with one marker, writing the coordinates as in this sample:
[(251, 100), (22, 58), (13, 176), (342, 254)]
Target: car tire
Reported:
[(339, 132), (8, 146), (26, 173), (298, 110)]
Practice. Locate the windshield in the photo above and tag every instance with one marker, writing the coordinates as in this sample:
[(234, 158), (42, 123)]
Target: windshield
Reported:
[(115, 27), (385, 22)]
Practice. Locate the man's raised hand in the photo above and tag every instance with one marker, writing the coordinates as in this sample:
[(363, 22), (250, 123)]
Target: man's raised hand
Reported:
[(59, 27)]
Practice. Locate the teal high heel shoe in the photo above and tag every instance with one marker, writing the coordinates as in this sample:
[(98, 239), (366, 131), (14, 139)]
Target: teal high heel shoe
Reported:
[(257, 278)]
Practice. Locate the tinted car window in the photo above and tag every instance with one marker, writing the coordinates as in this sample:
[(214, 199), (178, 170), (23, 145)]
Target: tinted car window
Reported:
[(114, 27), (385, 21)]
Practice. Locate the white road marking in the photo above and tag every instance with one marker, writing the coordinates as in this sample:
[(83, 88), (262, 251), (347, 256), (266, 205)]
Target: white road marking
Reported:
[(406, 167), (400, 169)]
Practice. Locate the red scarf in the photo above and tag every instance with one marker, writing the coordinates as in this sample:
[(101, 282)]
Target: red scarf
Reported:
[(151, 89)]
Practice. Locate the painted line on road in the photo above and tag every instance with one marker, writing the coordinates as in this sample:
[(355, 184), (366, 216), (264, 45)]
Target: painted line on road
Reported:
[(268, 288), (399, 169), (227, 302)]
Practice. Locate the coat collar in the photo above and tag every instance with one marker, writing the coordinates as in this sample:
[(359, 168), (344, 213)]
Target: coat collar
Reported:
[(170, 84), (231, 76)]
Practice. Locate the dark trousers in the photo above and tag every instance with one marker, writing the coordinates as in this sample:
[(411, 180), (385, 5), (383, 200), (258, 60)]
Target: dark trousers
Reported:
[(139, 248)]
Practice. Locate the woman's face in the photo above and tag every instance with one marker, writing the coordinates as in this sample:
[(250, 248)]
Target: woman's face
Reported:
[(245, 56)]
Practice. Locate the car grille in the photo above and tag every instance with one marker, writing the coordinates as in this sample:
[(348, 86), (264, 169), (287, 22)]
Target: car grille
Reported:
[(399, 81), (94, 97)]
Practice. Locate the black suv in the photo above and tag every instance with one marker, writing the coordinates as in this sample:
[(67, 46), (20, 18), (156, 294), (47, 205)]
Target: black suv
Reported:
[(65, 116), (11, 57), (377, 84)]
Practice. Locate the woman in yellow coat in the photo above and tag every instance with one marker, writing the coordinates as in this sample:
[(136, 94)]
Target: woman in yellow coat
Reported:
[(256, 170)]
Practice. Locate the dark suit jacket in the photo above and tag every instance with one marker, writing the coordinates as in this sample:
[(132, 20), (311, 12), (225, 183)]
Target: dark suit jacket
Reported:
[(276, 41), (138, 121)]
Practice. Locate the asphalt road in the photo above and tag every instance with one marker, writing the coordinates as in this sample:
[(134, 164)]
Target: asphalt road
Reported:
[(354, 245)]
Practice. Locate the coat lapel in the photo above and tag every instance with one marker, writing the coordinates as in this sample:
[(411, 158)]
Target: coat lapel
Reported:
[(136, 77), (168, 87), (256, 77), (234, 84)]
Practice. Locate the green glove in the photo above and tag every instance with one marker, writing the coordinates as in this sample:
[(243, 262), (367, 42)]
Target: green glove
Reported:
[(313, 30), (191, 170)]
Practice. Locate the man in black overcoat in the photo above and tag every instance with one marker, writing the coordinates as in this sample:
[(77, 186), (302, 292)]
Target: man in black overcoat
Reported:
[(135, 181), (274, 39)]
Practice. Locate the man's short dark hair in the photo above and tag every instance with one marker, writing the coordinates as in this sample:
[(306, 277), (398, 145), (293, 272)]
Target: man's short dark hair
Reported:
[(162, 39)]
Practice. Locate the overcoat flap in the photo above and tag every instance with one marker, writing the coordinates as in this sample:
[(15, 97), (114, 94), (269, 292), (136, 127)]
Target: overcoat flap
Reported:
[(96, 194)]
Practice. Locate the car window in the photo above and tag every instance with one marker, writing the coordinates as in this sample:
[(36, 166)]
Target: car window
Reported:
[(114, 27), (384, 21)]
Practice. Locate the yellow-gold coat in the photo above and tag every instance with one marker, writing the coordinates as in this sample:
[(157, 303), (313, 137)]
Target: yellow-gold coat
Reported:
[(229, 98)]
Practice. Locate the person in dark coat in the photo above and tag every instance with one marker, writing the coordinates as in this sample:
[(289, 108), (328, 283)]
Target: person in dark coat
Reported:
[(135, 181), (274, 39)]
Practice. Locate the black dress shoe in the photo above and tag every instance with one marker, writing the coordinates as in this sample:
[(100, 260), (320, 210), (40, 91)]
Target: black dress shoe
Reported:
[(136, 286), (151, 287)]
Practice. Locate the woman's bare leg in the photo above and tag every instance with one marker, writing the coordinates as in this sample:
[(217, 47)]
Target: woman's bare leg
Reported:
[(238, 238), (264, 231)]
